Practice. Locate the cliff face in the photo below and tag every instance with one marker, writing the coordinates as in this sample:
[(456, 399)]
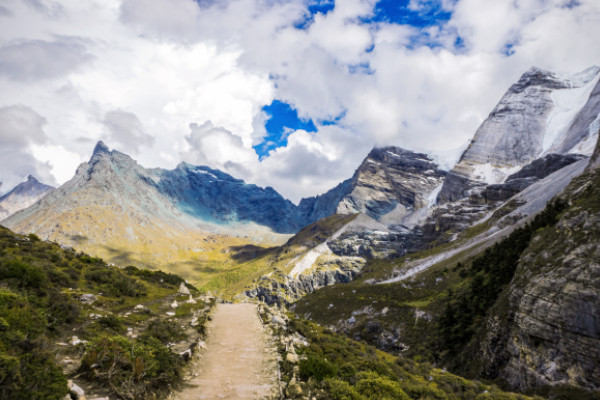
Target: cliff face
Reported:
[(551, 333), (542, 113), (390, 184)]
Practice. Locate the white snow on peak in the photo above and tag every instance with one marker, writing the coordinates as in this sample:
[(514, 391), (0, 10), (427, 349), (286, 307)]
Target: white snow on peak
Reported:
[(567, 103), (588, 145), (579, 79), (491, 174), (431, 199), (200, 171)]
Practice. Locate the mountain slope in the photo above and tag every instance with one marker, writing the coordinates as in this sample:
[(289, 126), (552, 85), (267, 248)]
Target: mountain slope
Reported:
[(116, 209), (540, 114), (22, 196), (390, 184)]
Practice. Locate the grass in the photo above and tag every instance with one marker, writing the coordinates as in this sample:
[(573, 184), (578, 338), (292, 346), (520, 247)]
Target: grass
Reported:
[(336, 367), (41, 285)]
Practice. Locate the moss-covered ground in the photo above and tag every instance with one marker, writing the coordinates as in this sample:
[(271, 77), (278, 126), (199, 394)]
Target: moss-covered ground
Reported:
[(65, 314)]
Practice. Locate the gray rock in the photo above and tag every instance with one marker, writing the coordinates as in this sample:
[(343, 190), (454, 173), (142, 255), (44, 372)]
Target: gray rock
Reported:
[(390, 181), (183, 289), (87, 298)]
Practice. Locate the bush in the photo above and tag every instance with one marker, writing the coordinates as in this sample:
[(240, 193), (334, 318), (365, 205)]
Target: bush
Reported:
[(115, 282), (112, 322), (164, 331), (341, 390), (317, 368), (377, 387), (131, 368), (25, 275)]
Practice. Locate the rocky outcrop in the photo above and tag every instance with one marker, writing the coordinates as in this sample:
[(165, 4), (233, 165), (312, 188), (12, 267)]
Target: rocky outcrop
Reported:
[(282, 289), (551, 332), (542, 113), (22, 196), (389, 184), (528, 175)]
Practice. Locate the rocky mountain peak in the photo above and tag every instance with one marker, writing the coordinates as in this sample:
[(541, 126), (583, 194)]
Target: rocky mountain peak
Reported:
[(538, 77), (100, 148), (22, 196), (400, 157)]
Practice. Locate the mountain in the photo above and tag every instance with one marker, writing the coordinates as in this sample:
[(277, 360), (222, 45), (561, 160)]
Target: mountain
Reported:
[(116, 209), (22, 196), (390, 184), (542, 113), (213, 196)]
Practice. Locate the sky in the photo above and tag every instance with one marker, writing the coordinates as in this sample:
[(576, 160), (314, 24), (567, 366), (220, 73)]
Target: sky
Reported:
[(290, 94)]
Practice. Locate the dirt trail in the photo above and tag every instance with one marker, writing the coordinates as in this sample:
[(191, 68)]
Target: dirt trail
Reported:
[(239, 361)]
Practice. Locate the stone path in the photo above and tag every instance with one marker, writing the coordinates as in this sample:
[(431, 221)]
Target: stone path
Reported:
[(239, 361)]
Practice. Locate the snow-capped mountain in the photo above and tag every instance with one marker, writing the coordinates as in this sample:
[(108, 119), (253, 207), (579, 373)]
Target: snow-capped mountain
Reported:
[(542, 113), (22, 196), (390, 184)]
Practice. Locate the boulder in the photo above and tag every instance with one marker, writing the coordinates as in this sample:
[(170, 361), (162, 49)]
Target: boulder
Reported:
[(183, 289)]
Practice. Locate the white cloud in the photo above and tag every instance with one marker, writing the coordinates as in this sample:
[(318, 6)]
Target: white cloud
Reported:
[(21, 128), (125, 130), (189, 81)]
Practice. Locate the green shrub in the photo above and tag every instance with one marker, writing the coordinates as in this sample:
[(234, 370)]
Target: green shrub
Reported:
[(164, 331), (112, 322), (341, 390), (24, 274), (131, 368), (318, 368), (377, 387)]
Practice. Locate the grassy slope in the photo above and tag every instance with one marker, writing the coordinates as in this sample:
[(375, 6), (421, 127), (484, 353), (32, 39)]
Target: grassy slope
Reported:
[(40, 290), (335, 367), (249, 262), (412, 309)]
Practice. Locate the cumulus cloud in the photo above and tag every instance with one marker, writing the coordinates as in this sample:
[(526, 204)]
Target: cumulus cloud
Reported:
[(125, 130), (217, 147), (31, 60), (20, 129), (194, 76)]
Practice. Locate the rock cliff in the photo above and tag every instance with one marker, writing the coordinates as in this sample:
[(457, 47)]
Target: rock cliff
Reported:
[(390, 184), (542, 113), (548, 331)]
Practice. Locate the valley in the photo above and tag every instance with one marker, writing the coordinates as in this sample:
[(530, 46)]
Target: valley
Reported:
[(404, 281)]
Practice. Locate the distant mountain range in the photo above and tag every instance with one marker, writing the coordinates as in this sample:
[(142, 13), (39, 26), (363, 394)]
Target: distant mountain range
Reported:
[(22, 196), (112, 202), (469, 267)]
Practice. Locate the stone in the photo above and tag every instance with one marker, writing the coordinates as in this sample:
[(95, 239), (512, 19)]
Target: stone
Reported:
[(294, 390), (292, 358), (186, 355), (75, 341), (76, 390), (174, 304), (87, 298), (183, 289), (277, 320)]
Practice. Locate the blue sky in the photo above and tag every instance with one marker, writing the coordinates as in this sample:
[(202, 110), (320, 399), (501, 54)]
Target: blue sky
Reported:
[(284, 119)]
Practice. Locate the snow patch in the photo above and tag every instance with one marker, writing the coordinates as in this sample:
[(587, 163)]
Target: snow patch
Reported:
[(432, 198), (567, 103), (580, 78), (491, 174), (199, 171), (308, 260)]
